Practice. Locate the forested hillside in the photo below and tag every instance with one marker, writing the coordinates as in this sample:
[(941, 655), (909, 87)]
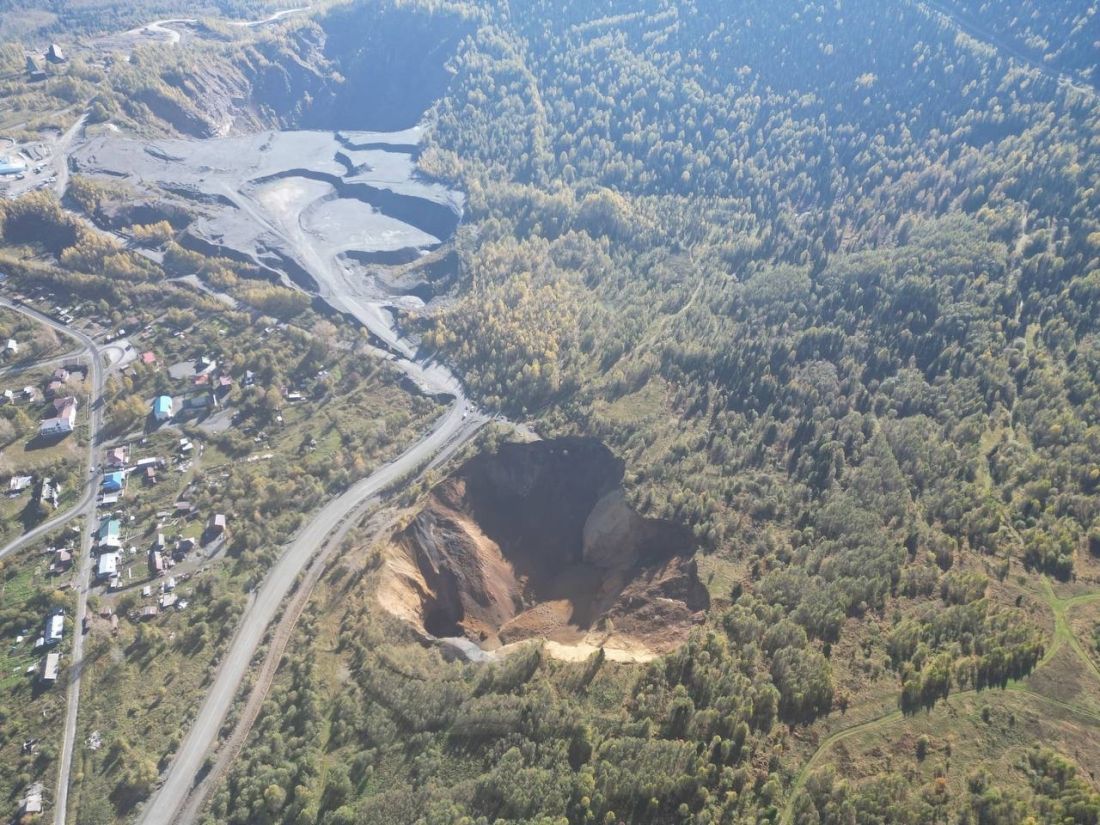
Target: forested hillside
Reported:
[(1058, 34), (826, 277), (812, 268)]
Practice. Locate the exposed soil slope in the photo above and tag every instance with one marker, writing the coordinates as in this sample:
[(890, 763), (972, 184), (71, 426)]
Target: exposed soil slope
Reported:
[(537, 541)]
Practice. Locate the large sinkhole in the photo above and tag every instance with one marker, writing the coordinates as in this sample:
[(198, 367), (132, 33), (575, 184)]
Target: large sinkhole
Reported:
[(537, 540)]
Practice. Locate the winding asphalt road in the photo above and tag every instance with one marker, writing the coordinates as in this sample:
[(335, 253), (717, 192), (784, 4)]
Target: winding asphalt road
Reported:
[(173, 37), (82, 506), (172, 795), (85, 508), (459, 424)]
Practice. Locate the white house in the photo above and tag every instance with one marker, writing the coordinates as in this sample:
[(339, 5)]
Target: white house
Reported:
[(12, 347), (55, 628), (107, 566), (18, 484), (50, 666), (63, 420)]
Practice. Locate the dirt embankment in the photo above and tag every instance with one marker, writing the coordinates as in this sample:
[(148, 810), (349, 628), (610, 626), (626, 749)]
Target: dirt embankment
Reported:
[(537, 541)]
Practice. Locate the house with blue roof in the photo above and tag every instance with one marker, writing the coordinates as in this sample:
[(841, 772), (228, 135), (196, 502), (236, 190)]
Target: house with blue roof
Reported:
[(163, 408), (108, 535), (112, 482)]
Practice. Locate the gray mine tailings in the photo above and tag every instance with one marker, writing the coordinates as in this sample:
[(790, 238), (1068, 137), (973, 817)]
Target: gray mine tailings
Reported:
[(330, 209)]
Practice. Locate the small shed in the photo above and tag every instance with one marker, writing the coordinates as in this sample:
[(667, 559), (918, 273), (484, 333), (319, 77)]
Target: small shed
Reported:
[(62, 560), (34, 69), (20, 483), (199, 402)]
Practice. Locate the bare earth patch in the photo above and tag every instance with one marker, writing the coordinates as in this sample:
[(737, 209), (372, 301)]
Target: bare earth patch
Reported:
[(537, 542)]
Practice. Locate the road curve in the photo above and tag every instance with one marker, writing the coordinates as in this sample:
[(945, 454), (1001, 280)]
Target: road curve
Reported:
[(279, 15), (170, 797), (173, 37), (90, 347), (230, 748), (56, 361), (161, 27), (86, 508)]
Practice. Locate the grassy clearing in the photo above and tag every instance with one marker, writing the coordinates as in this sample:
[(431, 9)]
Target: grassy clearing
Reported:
[(1058, 704), (719, 574), (140, 688), (30, 458), (994, 729), (1084, 621)]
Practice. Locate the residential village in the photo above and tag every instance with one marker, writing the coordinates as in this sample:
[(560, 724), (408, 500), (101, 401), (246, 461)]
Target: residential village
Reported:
[(53, 399), (210, 452), (148, 541)]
